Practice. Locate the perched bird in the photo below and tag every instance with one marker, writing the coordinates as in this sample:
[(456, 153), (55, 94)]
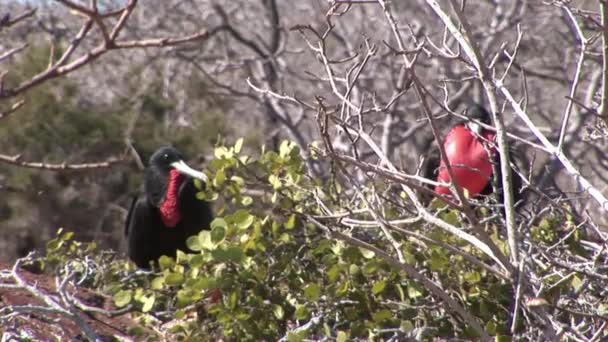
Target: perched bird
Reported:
[(159, 222), (473, 156)]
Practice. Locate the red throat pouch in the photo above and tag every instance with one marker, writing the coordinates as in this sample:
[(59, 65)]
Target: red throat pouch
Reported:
[(169, 209), (471, 161)]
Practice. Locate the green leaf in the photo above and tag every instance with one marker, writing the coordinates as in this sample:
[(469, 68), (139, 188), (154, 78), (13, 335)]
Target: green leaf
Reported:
[(174, 279), (413, 291), (246, 201), (407, 326), (278, 311), (238, 180), (291, 222), (295, 337), (341, 337), (218, 222), (218, 234), (196, 261), (238, 145), (198, 184), (219, 179), (382, 315), (148, 303), (451, 217), (222, 152), (123, 297), (285, 148), (185, 297), (333, 273), (312, 292), (233, 300), (165, 262), (275, 182), (367, 254), (234, 254), (180, 256), (576, 283), (491, 328), (67, 236), (371, 267), (242, 219), (342, 289), (204, 238), (301, 312), (54, 245), (379, 287), (400, 292), (472, 277), (157, 283), (194, 243)]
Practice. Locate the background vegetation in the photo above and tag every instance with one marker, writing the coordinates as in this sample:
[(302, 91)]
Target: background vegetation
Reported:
[(313, 120)]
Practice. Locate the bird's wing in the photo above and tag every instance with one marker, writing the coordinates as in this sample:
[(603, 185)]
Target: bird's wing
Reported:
[(142, 231), (130, 215)]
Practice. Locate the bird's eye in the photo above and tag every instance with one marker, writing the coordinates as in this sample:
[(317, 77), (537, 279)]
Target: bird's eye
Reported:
[(166, 156)]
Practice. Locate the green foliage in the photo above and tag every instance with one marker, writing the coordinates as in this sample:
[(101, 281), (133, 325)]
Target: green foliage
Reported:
[(273, 271)]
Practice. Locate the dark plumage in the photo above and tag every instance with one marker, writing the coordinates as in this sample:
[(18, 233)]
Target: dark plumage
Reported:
[(471, 162), (159, 222)]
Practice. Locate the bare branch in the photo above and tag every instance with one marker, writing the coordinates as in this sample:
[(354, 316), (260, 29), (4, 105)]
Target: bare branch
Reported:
[(16, 160)]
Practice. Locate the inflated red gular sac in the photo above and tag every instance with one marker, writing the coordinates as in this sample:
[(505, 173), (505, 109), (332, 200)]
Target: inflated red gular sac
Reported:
[(160, 222), (471, 155), (169, 209)]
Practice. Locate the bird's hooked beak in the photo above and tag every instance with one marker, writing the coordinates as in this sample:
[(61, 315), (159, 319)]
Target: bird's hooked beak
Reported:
[(474, 127), (182, 167)]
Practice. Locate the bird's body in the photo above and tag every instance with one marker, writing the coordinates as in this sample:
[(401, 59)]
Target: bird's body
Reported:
[(160, 222), (472, 154)]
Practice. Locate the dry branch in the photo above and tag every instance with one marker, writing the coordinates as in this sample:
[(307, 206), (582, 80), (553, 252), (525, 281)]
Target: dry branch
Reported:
[(16, 160)]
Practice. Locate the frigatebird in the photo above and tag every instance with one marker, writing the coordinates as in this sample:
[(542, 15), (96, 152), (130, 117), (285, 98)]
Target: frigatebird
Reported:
[(471, 151), (159, 222)]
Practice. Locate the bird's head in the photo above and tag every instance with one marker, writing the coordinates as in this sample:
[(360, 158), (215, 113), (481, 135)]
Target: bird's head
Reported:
[(166, 159), (166, 167), (476, 112)]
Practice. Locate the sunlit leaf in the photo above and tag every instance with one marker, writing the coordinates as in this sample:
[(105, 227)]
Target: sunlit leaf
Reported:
[(165, 262), (218, 234), (174, 279), (341, 336), (243, 219), (312, 292), (148, 303), (301, 312), (378, 287), (246, 201), (367, 254), (382, 315), (193, 243), (122, 298), (414, 291), (238, 145), (291, 222), (278, 311), (158, 283)]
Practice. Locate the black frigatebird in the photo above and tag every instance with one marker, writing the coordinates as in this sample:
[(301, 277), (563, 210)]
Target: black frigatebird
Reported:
[(472, 153), (159, 222)]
